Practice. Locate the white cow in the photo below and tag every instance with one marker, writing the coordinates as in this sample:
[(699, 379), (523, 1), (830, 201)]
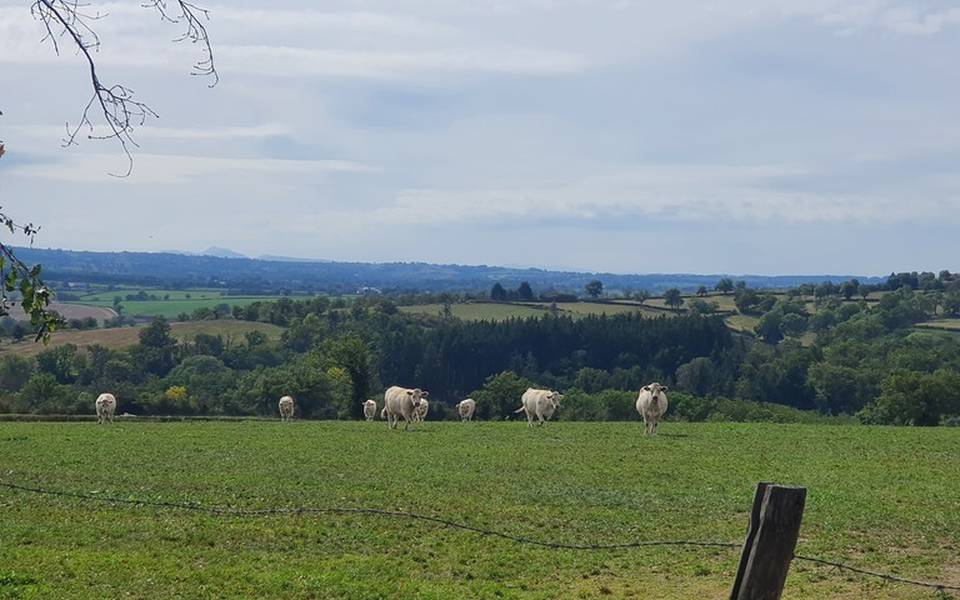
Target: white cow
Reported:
[(466, 409), (423, 408), (106, 405), (539, 404), (370, 409), (402, 402), (286, 408), (651, 404)]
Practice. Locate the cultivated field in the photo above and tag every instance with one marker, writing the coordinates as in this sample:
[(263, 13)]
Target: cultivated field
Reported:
[(69, 311), (944, 324), (122, 337), (886, 498)]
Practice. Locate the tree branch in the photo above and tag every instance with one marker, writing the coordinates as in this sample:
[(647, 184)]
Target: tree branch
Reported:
[(115, 103)]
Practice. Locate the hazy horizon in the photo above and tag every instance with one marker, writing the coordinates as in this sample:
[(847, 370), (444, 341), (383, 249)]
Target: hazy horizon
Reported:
[(774, 137)]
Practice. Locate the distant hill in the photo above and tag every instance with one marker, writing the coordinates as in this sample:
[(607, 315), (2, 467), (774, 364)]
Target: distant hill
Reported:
[(222, 252), (257, 275)]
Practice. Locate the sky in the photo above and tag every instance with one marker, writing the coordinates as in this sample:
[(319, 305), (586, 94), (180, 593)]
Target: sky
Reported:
[(744, 136)]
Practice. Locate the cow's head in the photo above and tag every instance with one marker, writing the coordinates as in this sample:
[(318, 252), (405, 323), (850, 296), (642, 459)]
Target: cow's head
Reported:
[(555, 398), (656, 388)]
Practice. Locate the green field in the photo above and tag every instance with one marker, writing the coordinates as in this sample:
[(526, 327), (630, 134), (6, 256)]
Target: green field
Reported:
[(882, 498), (174, 307), (122, 337), (195, 294), (503, 311)]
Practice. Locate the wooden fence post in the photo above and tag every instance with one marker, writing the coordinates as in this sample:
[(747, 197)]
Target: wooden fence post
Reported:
[(771, 540)]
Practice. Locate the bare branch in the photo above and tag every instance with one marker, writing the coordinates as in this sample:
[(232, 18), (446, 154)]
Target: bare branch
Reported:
[(192, 17), (116, 105)]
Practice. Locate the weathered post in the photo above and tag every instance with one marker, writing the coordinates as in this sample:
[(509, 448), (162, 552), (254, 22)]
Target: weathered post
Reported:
[(771, 540)]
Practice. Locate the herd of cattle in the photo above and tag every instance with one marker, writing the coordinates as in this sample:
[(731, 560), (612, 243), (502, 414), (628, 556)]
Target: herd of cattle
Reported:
[(412, 406)]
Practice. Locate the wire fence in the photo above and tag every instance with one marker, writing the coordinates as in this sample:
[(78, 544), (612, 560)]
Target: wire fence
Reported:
[(226, 511)]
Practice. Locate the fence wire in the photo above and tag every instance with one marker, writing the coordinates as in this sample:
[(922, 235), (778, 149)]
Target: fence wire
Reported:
[(227, 511)]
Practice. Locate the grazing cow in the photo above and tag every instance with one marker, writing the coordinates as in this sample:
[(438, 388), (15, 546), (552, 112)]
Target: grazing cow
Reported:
[(651, 404), (466, 409), (286, 408), (370, 409), (421, 410), (106, 405), (539, 404), (402, 402)]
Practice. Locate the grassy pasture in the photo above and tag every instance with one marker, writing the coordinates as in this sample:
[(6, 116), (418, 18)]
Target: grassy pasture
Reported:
[(886, 498), (195, 294), (174, 307), (504, 311), (122, 337)]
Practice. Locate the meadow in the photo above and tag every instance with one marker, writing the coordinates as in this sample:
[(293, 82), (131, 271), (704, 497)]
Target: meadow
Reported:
[(883, 498), (117, 338), (502, 311), (176, 303)]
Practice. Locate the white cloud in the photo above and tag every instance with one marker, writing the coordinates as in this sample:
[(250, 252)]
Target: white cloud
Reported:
[(153, 169)]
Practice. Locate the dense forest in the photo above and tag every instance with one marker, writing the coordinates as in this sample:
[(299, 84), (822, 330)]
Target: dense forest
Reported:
[(865, 360), (252, 276)]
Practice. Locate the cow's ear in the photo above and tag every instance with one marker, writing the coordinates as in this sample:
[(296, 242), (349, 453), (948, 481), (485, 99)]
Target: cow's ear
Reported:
[(409, 393), (645, 388), (424, 394), (664, 388)]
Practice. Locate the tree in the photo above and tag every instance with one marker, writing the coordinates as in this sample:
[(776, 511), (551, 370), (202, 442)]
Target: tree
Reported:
[(849, 289), (699, 376), (497, 293), (702, 291), (155, 353), (594, 289), (354, 357), (642, 296), (793, 325), (768, 328), (673, 297), (17, 276), (724, 286), (525, 292)]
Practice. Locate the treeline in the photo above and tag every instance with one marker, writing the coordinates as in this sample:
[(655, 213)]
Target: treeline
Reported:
[(850, 358)]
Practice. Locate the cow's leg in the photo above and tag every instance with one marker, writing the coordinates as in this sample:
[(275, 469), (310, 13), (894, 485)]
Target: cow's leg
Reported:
[(529, 420)]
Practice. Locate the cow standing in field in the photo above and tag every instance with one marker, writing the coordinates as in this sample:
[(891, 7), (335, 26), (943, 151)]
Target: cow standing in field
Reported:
[(370, 409), (420, 413), (652, 404), (540, 405), (286, 408), (106, 405), (466, 409), (401, 402)]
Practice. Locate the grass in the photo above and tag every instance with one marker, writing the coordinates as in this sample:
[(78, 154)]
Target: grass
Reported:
[(477, 312), (174, 307), (122, 337), (884, 498), (504, 311), (196, 294)]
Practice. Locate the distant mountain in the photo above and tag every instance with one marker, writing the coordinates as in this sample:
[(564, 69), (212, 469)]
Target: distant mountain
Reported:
[(222, 253), (262, 276), (275, 258)]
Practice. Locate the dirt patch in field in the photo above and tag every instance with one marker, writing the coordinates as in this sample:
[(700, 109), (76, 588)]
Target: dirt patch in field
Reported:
[(71, 311), (123, 337)]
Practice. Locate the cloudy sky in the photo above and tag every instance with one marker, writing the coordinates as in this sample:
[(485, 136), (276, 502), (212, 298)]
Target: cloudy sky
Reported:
[(744, 136)]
